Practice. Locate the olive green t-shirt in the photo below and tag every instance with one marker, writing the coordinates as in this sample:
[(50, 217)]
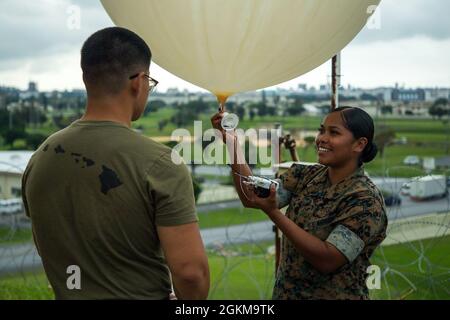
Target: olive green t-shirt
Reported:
[(95, 192)]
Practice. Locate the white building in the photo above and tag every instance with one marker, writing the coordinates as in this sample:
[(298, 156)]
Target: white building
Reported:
[(12, 166), (432, 95)]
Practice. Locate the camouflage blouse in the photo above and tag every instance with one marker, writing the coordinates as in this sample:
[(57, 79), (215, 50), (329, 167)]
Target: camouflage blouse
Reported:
[(350, 215)]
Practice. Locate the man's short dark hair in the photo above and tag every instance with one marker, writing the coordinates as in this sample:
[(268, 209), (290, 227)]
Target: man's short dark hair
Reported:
[(110, 56)]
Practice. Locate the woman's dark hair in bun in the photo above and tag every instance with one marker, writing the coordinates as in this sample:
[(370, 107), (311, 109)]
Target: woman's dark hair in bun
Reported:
[(360, 123)]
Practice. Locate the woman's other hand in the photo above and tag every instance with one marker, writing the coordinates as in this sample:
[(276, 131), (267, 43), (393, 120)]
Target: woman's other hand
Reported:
[(268, 205), (216, 123)]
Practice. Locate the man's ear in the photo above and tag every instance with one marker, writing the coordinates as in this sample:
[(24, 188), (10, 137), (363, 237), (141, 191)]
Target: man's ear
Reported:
[(135, 85)]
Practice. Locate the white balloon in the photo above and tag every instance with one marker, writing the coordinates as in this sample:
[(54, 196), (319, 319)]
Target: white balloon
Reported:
[(230, 46)]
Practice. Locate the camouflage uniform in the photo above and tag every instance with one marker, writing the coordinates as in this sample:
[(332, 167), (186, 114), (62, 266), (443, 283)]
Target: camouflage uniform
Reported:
[(350, 215)]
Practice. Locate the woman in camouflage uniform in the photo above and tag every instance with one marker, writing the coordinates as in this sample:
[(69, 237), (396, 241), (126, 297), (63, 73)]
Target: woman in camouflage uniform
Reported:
[(336, 216)]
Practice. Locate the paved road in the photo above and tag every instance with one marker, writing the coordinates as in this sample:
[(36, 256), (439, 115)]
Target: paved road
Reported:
[(24, 257), (19, 258), (408, 207), (252, 232)]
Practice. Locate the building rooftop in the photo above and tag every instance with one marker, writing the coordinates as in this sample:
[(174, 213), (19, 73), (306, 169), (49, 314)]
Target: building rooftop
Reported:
[(14, 161)]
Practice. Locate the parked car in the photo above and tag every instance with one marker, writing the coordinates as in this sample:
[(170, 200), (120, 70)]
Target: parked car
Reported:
[(411, 160), (392, 200)]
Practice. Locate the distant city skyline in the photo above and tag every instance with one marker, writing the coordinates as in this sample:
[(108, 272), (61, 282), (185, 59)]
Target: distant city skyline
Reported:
[(410, 48)]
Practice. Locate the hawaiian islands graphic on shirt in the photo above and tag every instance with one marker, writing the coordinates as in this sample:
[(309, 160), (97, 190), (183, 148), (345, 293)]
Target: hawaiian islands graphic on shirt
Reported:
[(108, 177)]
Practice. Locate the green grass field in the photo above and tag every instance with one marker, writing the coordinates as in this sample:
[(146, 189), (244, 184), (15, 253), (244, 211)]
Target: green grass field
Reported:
[(211, 219), (229, 217), (247, 272), (13, 236), (426, 137)]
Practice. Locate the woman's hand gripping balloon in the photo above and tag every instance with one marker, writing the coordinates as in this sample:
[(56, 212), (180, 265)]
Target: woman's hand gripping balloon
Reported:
[(216, 121)]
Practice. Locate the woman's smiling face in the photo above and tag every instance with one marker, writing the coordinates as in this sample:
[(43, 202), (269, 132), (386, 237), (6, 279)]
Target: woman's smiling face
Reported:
[(335, 144)]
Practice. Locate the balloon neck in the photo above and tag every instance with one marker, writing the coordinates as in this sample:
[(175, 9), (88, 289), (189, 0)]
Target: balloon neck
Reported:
[(222, 98)]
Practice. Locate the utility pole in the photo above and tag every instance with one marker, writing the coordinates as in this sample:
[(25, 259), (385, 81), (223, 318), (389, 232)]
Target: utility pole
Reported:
[(335, 80)]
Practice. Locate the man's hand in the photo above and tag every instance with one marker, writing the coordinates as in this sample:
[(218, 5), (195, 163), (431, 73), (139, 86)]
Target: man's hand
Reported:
[(268, 205)]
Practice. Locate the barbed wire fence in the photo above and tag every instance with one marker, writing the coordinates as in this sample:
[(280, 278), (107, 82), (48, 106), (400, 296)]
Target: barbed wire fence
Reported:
[(425, 240), (19, 259), (242, 257)]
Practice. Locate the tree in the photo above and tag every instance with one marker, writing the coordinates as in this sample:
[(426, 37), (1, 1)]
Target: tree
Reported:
[(441, 102), (162, 124), (34, 140), (439, 108), (383, 137), (368, 97), (231, 107), (188, 112), (386, 109), (309, 141), (240, 111), (62, 122), (251, 114), (437, 111), (153, 106), (12, 134), (260, 107), (18, 120), (276, 99), (271, 111), (295, 108)]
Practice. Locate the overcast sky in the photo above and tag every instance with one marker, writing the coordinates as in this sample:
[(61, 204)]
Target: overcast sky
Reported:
[(411, 47)]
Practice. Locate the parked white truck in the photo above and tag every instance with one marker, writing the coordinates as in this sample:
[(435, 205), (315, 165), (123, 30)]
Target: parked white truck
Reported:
[(428, 187)]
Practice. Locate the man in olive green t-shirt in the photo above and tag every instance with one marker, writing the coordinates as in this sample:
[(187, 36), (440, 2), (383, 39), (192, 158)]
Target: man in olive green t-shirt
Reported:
[(111, 212)]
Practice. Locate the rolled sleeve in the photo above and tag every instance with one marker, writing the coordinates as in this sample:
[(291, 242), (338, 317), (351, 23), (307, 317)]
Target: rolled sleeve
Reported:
[(171, 192), (346, 241), (360, 226), (292, 176)]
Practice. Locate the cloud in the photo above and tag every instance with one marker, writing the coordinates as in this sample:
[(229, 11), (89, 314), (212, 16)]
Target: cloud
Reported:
[(31, 29), (37, 44), (402, 19), (415, 62)]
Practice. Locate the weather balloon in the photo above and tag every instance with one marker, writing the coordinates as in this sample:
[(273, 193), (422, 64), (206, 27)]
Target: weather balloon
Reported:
[(241, 45)]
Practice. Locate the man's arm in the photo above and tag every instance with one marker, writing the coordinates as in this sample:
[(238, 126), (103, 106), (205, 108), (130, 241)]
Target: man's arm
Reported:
[(187, 260)]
